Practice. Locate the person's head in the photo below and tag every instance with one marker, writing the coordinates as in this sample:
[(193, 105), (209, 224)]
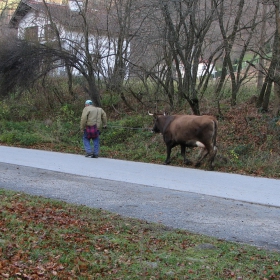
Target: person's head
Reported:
[(88, 102)]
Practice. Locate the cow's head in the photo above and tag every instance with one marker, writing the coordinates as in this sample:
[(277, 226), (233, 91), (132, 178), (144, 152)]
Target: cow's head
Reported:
[(155, 128)]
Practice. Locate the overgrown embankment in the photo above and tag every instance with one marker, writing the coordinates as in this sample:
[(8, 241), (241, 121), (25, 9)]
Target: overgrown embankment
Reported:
[(248, 141)]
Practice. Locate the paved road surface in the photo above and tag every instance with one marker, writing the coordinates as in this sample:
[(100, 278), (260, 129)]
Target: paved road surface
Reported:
[(232, 207)]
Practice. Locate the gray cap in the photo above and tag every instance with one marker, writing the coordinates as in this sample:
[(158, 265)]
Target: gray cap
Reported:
[(88, 102)]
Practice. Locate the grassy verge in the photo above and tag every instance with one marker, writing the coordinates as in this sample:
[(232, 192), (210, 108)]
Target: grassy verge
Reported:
[(46, 239)]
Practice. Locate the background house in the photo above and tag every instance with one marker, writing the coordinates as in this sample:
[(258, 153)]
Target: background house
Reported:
[(63, 23), (205, 68)]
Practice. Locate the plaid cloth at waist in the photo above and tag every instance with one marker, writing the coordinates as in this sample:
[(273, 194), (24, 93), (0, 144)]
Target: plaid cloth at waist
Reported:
[(92, 132)]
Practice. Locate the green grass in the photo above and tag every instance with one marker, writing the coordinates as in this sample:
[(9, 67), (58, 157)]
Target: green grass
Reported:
[(46, 239)]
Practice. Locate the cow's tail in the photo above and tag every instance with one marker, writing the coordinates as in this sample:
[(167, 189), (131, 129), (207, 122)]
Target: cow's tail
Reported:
[(214, 135)]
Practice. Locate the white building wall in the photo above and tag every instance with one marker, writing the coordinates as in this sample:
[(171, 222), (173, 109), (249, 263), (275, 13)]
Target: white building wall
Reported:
[(100, 46), (202, 67)]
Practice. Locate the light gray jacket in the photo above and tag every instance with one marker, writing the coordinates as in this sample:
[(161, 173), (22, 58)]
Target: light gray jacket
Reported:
[(93, 115)]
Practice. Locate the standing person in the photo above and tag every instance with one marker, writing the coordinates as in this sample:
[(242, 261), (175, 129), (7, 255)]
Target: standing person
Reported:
[(92, 118)]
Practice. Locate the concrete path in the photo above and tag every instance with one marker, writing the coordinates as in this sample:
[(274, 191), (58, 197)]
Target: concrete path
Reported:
[(231, 186)]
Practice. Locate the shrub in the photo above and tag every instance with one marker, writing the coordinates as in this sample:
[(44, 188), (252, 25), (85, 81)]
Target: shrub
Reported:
[(29, 139), (242, 149), (25, 139), (121, 131)]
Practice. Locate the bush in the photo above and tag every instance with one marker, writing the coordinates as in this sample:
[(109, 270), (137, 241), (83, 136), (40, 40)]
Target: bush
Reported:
[(121, 131), (242, 149), (25, 139)]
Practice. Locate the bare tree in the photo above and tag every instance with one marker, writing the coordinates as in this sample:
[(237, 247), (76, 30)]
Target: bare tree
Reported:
[(185, 29), (84, 50), (119, 34), (22, 63), (262, 44), (265, 92), (276, 106), (273, 72), (54, 29), (237, 27), (82, 34)]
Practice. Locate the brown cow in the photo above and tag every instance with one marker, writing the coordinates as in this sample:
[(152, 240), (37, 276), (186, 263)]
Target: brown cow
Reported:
[(188, 131)]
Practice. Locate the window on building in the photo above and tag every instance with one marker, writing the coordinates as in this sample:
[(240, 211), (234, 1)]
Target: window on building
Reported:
[(49, 33), (31, 33)]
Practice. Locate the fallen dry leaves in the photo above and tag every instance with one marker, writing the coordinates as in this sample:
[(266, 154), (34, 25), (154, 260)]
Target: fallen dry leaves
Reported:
[(44, 239)]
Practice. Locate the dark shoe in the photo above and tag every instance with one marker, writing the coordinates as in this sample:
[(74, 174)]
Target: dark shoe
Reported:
[(88, 155), (94, 156)]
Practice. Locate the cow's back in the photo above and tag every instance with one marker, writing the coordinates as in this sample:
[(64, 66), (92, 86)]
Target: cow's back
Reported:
[(192, 127)]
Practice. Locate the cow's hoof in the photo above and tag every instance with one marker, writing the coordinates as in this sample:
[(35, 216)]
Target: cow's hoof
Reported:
[(197, 164), (211, 168), (166, 163)]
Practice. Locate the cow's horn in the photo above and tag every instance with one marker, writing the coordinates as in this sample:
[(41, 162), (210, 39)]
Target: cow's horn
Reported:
[(150, 114)]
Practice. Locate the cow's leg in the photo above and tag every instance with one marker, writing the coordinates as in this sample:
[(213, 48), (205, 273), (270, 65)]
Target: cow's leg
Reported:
[(202, 155), (168, 152), (212, 155), (183, 153)]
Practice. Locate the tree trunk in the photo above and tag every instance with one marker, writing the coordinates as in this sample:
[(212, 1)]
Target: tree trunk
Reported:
[(261, 60), (57, 34), (93, 92), (276, 104), (266, 96)]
